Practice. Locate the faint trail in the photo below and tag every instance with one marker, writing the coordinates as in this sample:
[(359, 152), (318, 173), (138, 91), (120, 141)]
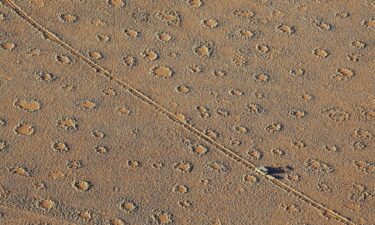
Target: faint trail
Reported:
[(23, 211), (60, 212), (143, 97)]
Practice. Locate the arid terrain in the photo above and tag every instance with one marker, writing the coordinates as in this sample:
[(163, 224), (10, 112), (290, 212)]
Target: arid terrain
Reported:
[(187, 112)]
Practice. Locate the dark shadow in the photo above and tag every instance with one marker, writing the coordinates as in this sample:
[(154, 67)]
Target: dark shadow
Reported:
[(277, 171)]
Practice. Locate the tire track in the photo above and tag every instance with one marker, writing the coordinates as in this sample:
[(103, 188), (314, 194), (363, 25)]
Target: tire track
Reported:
[(143, 97)]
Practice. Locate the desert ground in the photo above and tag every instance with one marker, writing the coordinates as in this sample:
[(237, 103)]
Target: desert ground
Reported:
[(187, 112)]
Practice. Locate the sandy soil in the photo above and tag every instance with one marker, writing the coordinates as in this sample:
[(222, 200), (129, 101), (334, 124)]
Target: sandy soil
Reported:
[(195, 112)]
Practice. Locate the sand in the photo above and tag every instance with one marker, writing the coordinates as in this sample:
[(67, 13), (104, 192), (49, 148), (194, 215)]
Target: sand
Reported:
[(188, 112)]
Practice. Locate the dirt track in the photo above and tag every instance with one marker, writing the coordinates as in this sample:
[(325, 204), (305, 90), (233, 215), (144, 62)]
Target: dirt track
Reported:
[(187, 112)]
